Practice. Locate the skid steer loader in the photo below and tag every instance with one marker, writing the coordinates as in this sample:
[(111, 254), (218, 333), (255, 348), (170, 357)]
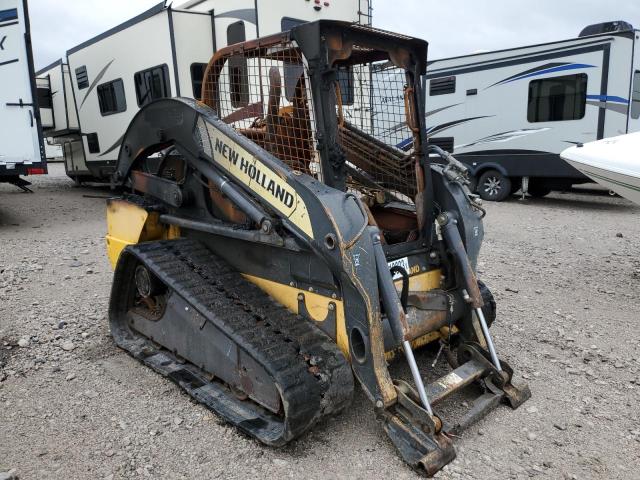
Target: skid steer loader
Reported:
[(289, 233)]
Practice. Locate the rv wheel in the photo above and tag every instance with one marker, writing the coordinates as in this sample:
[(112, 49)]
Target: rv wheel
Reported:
[(494, 186)]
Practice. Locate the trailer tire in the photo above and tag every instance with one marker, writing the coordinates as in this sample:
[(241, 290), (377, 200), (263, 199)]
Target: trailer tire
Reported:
[(489, 308), (538, 191), (494, 186)]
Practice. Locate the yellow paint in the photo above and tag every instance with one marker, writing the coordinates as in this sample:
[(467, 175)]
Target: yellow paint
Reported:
[(317, 305), (238, 162), (125, 222), (415, 344), (423, 282), (128, 224), (424, 340), (171, 232)]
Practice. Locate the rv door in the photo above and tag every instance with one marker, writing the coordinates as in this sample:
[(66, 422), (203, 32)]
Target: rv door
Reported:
[(19, 128)]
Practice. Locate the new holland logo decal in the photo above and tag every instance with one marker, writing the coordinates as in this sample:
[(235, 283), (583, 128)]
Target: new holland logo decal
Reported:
[(259, 178)]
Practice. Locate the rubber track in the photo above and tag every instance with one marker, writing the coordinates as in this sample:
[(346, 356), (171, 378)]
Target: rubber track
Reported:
[(312, 375)]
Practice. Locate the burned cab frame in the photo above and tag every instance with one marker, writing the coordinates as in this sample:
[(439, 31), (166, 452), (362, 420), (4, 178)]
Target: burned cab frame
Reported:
[(324, 200)]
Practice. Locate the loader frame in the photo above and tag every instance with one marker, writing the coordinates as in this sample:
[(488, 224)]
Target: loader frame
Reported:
[(303, 234)]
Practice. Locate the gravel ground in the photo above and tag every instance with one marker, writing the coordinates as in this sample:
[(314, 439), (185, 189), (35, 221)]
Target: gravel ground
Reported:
[(566, 274)]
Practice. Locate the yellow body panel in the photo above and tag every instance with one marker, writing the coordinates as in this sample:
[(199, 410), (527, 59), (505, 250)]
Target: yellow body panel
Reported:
[(423, 282), (125, 222), (128, 224), (318, 306)]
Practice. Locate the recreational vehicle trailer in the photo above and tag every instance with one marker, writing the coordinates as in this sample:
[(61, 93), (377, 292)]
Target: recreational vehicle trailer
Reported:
[(508, 114), (58, 112), (21, 144), (160, 53)]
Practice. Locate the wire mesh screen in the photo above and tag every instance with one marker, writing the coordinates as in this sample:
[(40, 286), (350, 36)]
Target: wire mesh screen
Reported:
[(264, 94), (374, 132)]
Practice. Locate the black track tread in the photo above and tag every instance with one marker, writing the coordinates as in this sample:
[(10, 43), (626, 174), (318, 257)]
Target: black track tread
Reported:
[(285, 344)]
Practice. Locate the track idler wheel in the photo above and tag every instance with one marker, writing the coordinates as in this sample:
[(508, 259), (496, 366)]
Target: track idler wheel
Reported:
[(147, 284)]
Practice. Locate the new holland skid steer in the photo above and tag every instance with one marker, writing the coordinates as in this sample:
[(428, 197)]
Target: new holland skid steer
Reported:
[(289, 233)]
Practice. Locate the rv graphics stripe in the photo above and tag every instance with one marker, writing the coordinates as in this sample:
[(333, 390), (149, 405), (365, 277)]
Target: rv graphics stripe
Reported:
[(398, 127), (608, 98), (609, 102), (446, 126), (408, 143), (437, 110), (9, 24), (504, 136), (114, 146), (9, 61), (543, 70), (95, 82), (246, 14)]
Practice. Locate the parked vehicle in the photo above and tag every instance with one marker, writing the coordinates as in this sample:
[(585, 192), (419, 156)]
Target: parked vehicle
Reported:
[(509, 113), (21, 144), (102, 83), (612, 162)]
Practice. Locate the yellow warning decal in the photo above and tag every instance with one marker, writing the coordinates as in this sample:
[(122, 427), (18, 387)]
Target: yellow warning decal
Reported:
[(259, 178)]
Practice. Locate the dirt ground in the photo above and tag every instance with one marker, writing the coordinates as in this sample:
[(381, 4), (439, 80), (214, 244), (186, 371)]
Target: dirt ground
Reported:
[(566, 274)]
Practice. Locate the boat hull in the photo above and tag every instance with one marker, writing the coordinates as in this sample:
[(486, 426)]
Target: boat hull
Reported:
[(614, 163)]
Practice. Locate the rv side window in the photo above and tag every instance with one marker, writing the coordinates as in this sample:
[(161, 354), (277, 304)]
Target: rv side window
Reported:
[(82, 78), (635, 96), (442, 86), (238, 71), (197, 76), (10, 14), (236, 33), (93, 143), (152, 84), (557, 99), (111, 97), (44, 98)]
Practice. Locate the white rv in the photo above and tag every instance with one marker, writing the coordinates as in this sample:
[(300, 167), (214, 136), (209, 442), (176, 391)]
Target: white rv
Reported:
[(508, 114), (163, 52), (21, 145)]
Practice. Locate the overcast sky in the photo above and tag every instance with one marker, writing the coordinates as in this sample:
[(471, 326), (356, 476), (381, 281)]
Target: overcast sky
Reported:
[(452, 27)]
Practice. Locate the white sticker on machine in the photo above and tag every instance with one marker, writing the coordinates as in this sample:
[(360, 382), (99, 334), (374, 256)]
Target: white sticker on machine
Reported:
[(401, 262)]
